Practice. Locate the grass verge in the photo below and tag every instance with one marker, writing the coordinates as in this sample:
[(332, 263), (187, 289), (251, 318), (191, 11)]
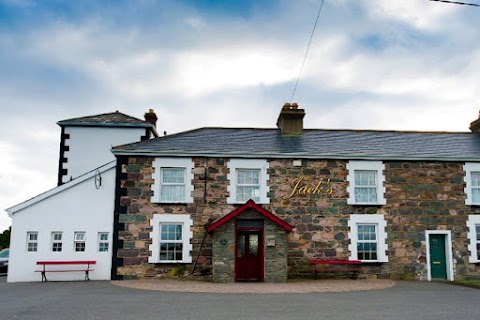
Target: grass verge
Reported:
[(468, 283)]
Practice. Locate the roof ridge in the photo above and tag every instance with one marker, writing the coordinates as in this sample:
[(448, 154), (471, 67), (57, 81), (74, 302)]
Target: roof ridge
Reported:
[(390, 131), (327, 130), (94, 118)]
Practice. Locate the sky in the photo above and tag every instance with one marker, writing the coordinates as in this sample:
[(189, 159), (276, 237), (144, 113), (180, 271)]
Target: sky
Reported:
[(372, 64)]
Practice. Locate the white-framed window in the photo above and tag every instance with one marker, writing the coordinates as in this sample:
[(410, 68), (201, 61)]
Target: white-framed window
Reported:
[(79, 241), (248, 185), (368, 238), (171, 236), (32, 241), (472, 183), (103, 242), (366, 179), (171, 242), (172, 180), (367, 249), (248, 180), (56, 241), (473, 224)]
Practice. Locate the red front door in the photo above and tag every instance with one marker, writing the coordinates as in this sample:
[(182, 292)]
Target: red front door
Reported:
[(249, 255)]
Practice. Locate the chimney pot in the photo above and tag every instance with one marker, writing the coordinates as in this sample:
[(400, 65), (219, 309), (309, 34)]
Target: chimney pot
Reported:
[(151, 117)]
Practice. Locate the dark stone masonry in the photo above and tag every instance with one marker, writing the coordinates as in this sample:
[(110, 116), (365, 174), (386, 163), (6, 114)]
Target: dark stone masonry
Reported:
[(419, 196)]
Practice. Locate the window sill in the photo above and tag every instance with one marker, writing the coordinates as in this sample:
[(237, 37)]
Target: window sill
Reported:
[(172, 202), (377, 204), (169, 262), (243, 202)]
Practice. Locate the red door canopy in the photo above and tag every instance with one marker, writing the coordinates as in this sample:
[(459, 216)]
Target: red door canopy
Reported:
[(247, 206)]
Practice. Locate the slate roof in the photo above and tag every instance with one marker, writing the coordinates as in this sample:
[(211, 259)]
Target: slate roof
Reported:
[(106, 119), (325, 144)]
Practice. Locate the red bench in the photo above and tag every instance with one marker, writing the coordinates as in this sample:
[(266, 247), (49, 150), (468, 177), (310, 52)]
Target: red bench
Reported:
[(352, 265), (86, 269)]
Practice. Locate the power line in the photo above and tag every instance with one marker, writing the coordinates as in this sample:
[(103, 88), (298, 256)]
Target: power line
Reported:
[(460, 3), (306, 52)]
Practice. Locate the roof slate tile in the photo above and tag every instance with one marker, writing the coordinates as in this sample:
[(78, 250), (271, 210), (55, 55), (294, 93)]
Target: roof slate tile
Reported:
[(251, 142), (106, 118)]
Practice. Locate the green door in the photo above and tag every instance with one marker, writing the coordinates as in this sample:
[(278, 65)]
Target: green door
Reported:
[(438, 264)]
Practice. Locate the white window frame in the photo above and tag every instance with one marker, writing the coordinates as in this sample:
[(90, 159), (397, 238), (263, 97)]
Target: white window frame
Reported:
[(33, 242), (173, 242), (187, 234), (79, 237), (184, 163), (470, 167), (377, 166), (258, 164), (103, 242), (55, 241), (370, 241), (381, 224), (472, 222)]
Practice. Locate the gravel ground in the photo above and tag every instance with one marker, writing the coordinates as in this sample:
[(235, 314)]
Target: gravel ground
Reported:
[(303, 286)]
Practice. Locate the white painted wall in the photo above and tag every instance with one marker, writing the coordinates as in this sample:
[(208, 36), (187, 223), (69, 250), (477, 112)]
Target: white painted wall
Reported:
[(80, 207), (90, 147)]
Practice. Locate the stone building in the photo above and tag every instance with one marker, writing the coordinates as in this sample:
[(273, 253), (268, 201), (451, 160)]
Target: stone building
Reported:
[(245, 204)]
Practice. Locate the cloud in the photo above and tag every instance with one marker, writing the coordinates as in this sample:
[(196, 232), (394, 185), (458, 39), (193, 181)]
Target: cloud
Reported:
[(423, 15), (373, 64), (207, 71), (23, 175)]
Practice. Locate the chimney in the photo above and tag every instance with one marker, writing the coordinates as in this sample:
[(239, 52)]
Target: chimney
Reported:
[(290, 119), (475, 125), (151, 117)]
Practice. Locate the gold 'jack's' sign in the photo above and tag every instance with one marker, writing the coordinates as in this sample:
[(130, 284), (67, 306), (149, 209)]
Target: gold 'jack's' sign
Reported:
[(299, 187)]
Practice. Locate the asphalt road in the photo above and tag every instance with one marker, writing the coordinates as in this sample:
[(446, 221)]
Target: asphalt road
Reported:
[(102, 300)]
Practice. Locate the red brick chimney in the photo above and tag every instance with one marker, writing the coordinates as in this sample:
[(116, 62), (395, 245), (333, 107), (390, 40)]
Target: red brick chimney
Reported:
[(475, 125), (290, 120), (151, 117)]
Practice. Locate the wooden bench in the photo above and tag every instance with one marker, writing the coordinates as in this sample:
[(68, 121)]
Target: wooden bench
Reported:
[(351, 265), (86, 269)]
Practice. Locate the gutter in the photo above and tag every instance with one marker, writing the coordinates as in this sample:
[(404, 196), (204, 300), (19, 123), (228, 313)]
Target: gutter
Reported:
[(104, 124), (352, 156)]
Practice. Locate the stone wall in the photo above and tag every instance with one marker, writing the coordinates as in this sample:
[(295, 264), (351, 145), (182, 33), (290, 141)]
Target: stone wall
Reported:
[(276, 260), (320, 219), (210, 192), (425, 196), (420, 196), (223, 249)]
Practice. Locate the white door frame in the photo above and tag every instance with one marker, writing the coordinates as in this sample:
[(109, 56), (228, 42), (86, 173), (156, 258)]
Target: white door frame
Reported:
[(448, 252)]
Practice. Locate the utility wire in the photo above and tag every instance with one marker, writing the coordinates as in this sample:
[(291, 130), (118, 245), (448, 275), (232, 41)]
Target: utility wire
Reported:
[(457, 2), (306, 52)]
